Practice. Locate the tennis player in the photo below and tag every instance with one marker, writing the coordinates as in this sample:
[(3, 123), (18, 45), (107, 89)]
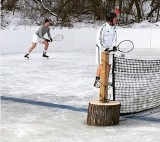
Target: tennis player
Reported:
[(38, 37), (106, 39)]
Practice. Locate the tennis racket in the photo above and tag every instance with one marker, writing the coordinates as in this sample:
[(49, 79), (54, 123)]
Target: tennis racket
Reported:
[(58, 37), (125, 46)]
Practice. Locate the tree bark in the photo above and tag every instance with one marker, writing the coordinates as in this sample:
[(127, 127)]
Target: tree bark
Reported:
[(138, 10), (120, 6), (158, 7), (103, 114)]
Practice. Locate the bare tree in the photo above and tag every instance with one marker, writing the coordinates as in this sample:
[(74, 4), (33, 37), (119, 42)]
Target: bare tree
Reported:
[(67, 12), (155, 7)]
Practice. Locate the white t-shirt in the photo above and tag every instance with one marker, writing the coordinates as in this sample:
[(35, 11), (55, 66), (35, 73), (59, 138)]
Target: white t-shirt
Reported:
[(106, 37)]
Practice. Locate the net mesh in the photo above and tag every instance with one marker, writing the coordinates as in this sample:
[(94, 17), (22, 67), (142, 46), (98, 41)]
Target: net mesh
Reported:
[(136, 83)]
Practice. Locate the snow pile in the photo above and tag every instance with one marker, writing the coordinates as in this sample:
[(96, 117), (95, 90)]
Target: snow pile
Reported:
[(17, 22), (145, 24)]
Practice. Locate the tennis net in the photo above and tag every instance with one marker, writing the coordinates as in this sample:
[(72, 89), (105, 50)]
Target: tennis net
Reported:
[(136, 83)]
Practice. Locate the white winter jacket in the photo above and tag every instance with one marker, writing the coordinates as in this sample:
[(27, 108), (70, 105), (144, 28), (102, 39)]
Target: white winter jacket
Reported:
[(106, 37)]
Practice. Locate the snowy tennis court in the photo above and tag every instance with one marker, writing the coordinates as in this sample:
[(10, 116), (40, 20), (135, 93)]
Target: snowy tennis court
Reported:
[(46, 100)]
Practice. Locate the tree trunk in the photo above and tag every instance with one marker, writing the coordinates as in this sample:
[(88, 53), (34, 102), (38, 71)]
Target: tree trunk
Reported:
[(157, 19), (138, 10), (130, 7), (158, 7), (103, 114), (120, 6), (129, 10)]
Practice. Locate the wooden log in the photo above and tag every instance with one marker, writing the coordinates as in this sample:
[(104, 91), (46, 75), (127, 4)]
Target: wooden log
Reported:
[(103, 114), (104, 77)]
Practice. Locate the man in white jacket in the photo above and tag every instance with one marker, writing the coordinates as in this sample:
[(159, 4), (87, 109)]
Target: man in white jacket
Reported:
[(106, 40)]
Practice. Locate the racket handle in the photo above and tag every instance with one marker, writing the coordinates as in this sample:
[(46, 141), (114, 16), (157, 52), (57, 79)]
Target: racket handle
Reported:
[(114, 49)]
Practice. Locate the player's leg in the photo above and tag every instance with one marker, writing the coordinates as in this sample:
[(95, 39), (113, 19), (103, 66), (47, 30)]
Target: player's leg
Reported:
[(30, 50), (32, 47), (46, 44), (110, 66), (97, 79), (98, 71), (35, 40)]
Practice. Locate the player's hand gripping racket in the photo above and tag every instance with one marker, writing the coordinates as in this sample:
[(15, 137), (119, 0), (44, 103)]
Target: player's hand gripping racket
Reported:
[(124, 46), (58, 37)]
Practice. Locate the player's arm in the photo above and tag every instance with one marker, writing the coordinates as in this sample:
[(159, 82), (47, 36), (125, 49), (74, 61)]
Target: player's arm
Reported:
[(99, 38), (49, 35), (106, 42), (114, 43)]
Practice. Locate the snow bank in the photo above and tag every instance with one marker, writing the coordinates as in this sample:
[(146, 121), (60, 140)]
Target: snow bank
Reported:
[(18, 41)]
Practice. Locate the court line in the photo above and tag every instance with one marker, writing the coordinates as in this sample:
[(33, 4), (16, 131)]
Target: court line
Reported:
[(46, 104), (143, 117)]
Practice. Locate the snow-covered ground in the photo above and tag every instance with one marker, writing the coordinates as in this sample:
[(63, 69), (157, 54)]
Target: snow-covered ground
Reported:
[(46, 100)]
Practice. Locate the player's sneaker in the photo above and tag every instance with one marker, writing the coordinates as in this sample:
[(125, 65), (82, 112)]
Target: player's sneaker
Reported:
[(44, 55), (97, 84), (26, 56)]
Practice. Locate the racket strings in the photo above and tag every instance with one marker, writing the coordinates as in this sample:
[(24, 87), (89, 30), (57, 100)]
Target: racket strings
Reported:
[(125, 46), (58, 37)]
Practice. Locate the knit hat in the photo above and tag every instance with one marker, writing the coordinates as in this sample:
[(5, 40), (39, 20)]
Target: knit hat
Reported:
[(110, 16), (46, 20)]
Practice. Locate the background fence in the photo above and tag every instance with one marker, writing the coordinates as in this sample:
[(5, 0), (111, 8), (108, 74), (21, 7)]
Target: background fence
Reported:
[(18, 41)]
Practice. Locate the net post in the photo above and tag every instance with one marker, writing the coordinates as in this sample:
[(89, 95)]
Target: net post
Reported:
[(113, 77), (104, 76), (103, 112)]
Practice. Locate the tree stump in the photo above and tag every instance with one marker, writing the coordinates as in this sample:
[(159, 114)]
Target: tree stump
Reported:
[(103, 114)]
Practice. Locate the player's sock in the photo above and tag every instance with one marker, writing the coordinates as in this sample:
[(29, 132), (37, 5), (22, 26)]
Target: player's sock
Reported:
[(96, 83), (97, 78), (44, 54), (44, 51)]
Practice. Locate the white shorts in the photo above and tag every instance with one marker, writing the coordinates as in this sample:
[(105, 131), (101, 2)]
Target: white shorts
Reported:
[(37, 39), (98, 56)]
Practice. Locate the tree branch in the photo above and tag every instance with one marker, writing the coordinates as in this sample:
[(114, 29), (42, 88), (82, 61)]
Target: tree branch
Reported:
[(48, 9)]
